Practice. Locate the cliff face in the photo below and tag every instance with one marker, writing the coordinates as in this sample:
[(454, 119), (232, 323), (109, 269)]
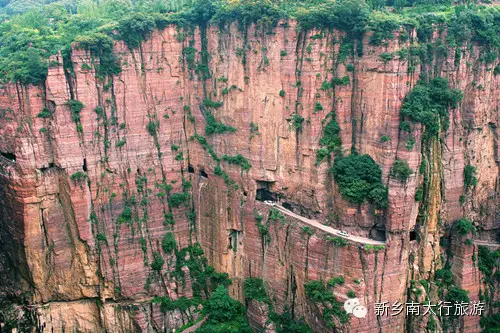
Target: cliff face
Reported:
[(85, 204)]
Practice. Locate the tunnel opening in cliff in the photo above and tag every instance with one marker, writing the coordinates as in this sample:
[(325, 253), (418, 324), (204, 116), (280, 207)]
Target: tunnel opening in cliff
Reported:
[(10, 156), (203, 173), (266, 195), (413, 235), (378, 233)]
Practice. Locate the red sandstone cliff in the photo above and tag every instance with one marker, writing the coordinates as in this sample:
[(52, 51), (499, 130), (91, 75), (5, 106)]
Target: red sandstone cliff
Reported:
[(83, 282)]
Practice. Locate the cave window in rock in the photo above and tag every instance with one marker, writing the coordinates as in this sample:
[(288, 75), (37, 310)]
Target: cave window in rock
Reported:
[(203, 173), (84, 166), (264, 191), (234, 235), (190, 168), (413, 235), (10, 156)]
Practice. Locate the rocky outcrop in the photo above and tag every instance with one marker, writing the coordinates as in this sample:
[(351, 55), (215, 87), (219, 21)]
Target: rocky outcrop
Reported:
[(86, 204)]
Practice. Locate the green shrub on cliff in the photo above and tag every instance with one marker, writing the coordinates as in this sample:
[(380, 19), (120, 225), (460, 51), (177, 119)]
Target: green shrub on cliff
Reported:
[(359, 179), (224, 314), (158, 262), (214, 127), (45, 113), (285, 323), (168, 243), (332, 309), (238, 160), (134, 28), (178, 199), (470, 178), (489, 264), (254, 289), (401, 170), (428, 104), (464, 226)]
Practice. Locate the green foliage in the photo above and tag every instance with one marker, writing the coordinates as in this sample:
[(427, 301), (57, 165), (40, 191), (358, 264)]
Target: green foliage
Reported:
[(369, 248), (158, 262), (338, 241), (401, 170), (212, 104), (318, 107), (100, 47), (152, 127), (307, 230), (238, 160), (121, 143), (285, 323), (405, 126), (182, 303), (489, 264), (179, 157), (78, 176), (341, 81), (126, 215), (254, 289), (102, 238), (351, 294), (350, 16), (326, 85), (283, 53), (359, 178), (490, 323), (75, 108), (464, 226), (419, 194), (214, 127), (382, 26), (386, 57), (178, 199), (330, 139), (224, 314), (334, 281), (45, 113), (134, 28), (296, 121), (384, 138), (282, 93), (332, 309), (428, 104), (470, 178), (168, 243), (275, 215)]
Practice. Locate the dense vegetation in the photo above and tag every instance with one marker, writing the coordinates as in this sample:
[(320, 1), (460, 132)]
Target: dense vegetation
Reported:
[(33, 30), (428, 104), (359, 179)]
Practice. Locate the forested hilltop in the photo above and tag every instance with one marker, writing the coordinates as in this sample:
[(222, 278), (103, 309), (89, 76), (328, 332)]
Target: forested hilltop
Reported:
[(32, 31)]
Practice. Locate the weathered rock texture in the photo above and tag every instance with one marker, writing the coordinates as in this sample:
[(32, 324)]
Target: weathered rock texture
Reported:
[(87, 271)]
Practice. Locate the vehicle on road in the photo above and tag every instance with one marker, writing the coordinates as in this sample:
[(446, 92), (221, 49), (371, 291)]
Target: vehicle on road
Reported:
[(343, 233), (269, 202)]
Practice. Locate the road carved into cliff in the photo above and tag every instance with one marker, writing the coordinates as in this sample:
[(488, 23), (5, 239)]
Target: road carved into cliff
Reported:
[(327, 229), (486, 243)]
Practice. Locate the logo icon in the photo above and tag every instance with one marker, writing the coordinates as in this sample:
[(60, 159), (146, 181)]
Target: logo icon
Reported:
[(353, 305)]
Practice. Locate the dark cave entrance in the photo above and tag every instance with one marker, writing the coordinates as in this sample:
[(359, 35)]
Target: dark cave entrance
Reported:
[(413, 235), (264, 191), (190, 168), (10, 156), (234, 236), (203, 173), (84, 166)]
